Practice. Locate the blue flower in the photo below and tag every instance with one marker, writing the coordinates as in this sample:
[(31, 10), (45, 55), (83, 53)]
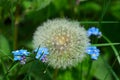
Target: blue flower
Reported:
[(20, 55), (93, 52), (94, 31), (41, 53)]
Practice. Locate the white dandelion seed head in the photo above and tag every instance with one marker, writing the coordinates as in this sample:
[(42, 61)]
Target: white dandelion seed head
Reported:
[(66, 41)]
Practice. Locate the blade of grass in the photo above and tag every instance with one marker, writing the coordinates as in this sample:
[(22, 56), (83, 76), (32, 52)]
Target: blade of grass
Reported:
[(110, 69), (114, 49), (95, 22), (105, 7), (108, 72), (106, 44), (13, 65), (6, 55), (4, 69), (89, 69)]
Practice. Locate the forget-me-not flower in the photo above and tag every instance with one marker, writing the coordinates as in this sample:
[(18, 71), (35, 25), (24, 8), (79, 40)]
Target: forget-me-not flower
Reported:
[(93, 51), (20, 55), (94, 31), (41, 53)]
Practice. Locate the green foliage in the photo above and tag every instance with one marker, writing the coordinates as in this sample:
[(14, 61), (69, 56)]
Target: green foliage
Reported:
[(91, 6), (4, 45), (60, 4), (20, 18), (115, 9), (98, 68), (65, 76), (36, 4)]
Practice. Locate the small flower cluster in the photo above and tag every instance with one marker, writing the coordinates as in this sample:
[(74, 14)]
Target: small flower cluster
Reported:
[(63, 44), (41, 53), (20, 55), (93, 51), (94, 31)]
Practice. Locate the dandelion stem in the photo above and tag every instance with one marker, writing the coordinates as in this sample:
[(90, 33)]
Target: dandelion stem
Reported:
[(81, 71), (89, 69), (55, 74)]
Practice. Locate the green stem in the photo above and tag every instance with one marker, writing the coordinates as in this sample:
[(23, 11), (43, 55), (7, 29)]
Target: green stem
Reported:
[(12, 19), (110, 69), (4, 70), (106, 5), (14, 25), (89, 69), (15, 36), (55, 74), (13, 65), (96, 22), (114, 49), (29, 70), (81, 71), (105, 44)]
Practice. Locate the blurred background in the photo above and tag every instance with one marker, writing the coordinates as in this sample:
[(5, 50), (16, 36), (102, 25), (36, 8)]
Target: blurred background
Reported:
[(20, 18)]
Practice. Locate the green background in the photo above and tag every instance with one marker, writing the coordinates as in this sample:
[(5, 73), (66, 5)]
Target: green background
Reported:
[(20, 18)]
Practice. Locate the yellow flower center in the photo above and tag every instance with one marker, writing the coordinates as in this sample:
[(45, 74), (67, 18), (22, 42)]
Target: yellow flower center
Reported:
[(60, 42)]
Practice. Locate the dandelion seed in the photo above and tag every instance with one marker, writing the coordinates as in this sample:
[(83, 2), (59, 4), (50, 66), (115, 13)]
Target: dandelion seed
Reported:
[(66, 41)]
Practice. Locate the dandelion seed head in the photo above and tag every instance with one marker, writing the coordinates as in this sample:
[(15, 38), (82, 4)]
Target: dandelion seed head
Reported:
[(66, 41)]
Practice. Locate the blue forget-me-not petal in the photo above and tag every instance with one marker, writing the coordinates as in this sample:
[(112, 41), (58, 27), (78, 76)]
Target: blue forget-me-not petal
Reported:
[(94, 31), (20, 55), (41, 53), (93, 51)]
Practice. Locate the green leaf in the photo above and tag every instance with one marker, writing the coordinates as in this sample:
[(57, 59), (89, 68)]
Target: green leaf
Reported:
[(60, 4), (26, 4), (111, 71), (4, 45), (91, 6), (41, 3), (36, 4), (100, 70), (65, 76), (115, 9)]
